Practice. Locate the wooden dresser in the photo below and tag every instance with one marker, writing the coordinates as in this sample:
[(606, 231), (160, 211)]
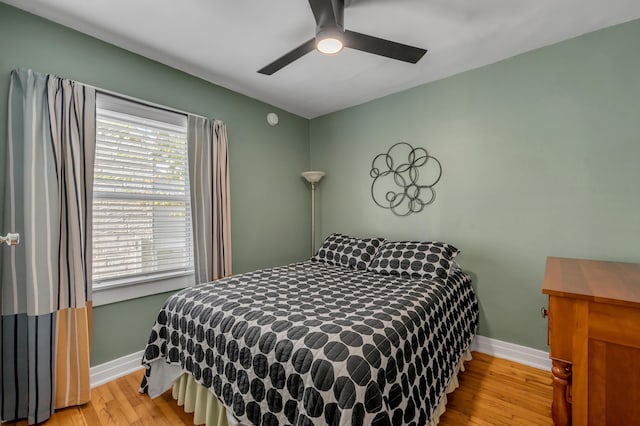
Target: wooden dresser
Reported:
[(594, 341)]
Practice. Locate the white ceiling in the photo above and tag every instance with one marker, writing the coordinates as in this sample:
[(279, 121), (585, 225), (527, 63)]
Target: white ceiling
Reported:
[(227, 41)]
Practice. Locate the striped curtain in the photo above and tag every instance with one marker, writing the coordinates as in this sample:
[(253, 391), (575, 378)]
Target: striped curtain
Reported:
[(210, 199), (46, 280)]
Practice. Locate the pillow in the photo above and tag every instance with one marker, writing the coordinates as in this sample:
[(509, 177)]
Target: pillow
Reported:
[(351, 252), (415, 259)]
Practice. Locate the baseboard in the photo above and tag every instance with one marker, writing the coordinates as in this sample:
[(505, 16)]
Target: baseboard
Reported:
[(111, 370), (521, 354)]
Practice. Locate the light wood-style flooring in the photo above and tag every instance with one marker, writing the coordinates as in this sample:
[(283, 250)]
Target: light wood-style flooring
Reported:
[(492, 392), (499, 392)]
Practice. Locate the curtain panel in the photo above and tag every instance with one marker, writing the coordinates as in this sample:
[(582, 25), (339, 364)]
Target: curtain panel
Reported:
[(210, 198), (45, 283)]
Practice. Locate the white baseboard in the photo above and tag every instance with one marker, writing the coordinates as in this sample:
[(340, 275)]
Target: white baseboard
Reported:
[(111, 370), (521, 354)]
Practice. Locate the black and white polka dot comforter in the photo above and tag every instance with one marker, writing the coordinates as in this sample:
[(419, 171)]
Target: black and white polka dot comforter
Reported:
[(311, 343)]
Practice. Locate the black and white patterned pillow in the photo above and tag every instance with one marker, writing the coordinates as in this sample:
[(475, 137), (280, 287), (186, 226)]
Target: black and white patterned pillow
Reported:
[(352, 252), (415, 259)]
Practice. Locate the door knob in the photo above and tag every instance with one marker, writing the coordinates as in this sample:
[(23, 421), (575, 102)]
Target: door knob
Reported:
[(10, 239)]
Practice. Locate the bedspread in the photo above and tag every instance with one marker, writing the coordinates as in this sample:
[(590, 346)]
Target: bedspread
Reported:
[(310, 343)]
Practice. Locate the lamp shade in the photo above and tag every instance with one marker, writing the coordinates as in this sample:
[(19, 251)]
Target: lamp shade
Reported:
[(313, 176)]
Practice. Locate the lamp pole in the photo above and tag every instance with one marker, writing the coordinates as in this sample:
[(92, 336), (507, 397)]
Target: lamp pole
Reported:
[(313, 177), (313, 217)]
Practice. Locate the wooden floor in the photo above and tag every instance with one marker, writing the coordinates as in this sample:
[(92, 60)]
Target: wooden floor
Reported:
[(492, 392), (499, 392)]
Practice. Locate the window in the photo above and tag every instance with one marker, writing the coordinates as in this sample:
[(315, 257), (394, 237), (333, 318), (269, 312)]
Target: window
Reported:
[(141, 202)]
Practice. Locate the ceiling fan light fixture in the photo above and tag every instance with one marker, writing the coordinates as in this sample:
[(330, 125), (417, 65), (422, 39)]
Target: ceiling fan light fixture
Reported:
[(331, 38), (329, 46), (329, 42)]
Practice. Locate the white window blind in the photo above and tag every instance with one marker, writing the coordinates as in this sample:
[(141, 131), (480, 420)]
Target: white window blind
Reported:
[(141, 202)]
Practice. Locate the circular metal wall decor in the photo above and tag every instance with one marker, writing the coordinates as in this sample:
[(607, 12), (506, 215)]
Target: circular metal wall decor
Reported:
[(397, 181)]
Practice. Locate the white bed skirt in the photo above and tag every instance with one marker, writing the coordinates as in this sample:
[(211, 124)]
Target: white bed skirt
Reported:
[(196, 399), (453, 385), (209, 411)]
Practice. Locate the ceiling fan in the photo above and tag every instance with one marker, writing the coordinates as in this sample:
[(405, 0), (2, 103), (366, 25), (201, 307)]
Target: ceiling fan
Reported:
[(331, 37)]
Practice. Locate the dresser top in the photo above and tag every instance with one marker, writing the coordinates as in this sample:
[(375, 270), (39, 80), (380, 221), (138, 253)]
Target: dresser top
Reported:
[(608, 282)]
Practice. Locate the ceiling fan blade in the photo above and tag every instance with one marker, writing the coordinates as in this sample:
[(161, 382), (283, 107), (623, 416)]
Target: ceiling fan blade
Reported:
[(286, 59), (382, 47), (328, 13)]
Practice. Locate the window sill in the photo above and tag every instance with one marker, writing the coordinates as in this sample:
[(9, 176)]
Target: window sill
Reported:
[(118, 291)]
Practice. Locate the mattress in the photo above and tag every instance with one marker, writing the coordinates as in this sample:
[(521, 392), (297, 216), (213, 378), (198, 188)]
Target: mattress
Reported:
[(312, 343)]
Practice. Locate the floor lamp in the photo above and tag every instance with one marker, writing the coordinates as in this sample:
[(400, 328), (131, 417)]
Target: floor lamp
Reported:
[(313, 177)]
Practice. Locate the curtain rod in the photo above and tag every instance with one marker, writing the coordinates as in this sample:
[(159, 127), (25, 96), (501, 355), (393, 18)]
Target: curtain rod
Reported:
[(125, 97), (142, 101)]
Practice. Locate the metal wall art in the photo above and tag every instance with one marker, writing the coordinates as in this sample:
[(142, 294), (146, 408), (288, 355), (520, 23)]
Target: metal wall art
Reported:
[(403, 179)]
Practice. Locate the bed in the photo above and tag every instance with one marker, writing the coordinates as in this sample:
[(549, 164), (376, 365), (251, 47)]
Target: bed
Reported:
[(317, 342)]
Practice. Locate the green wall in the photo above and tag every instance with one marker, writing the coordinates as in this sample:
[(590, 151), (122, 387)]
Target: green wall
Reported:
[(123, 328), (540, 157), (269, 200)]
